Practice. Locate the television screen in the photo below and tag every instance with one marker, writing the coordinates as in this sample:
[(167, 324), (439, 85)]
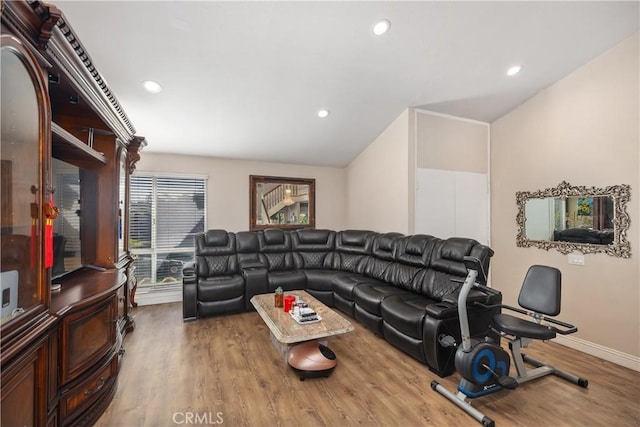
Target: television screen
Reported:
[(67, 227)]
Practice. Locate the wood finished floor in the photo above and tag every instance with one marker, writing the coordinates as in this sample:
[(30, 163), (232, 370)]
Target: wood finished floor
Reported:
[(224, 371)]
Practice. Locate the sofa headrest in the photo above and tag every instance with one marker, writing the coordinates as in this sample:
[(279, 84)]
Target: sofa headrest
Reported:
[(313, 240), (384, 245), (417, 244), (456, 248), (314, 236), (273, 236), (354, 241), (416, 250), (216, 238), (449, 255), (247, 242), (274, 240), (386, 241), (354, 237), (215, 243)]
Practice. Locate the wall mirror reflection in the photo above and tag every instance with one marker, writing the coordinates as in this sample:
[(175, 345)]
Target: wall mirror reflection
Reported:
[(568, 218), (279, 202)]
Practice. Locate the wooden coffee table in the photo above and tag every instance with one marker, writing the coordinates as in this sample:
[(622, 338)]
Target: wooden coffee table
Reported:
[(285, 332)]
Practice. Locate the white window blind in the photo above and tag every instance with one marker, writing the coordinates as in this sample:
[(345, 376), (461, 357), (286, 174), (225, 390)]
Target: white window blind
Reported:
[(166, 212)]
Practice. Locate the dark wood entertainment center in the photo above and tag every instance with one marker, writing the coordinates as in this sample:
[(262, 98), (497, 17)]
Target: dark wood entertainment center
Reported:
[(61, 349)]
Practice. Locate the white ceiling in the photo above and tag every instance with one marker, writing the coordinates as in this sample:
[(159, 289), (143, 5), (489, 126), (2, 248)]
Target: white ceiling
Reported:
[(245, 79)]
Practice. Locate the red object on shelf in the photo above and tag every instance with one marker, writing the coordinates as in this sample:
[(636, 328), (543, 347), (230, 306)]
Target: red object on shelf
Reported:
[(50, 213), (288, 302)]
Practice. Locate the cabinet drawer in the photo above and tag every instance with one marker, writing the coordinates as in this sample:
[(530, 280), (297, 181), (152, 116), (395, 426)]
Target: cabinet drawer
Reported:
[(78, 398), (87, 336)]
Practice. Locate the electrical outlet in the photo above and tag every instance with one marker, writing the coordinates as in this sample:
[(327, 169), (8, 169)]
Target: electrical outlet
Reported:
[(576, 259)]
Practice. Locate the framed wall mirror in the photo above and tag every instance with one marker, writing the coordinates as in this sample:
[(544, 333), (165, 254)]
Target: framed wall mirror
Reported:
[(279, 202), (569, 218)]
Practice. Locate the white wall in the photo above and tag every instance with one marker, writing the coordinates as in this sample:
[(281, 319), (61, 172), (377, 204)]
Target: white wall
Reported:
[(378, 182), (451, 184), (583, 129), (228, 186)]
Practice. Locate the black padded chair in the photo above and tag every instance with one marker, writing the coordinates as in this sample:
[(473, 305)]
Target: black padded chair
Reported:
[(368, 295), (275, 254), (353, 248), (313, 253), (539, 297), (220, 287)]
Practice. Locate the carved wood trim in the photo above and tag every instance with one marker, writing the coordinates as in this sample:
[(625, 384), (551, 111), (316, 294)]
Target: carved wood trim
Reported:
[(66, 50), (135, 146)]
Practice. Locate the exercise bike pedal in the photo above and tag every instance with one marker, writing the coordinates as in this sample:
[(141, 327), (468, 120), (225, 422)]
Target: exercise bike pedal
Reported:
[(507, 382)]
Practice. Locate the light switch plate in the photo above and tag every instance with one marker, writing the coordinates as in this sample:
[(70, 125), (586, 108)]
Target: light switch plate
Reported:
[(576, 259)]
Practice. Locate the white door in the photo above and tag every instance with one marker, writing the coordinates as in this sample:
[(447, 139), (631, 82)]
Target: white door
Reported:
[(452, 204)]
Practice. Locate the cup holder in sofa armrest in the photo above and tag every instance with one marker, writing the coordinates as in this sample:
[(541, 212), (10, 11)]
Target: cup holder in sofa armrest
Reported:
[(442, 310)]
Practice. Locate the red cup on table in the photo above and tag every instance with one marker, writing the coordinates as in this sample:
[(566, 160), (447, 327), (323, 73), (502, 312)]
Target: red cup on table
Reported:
[(289, 300)]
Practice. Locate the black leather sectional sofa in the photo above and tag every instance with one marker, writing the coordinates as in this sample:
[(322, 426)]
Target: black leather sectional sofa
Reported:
[(402, 288)]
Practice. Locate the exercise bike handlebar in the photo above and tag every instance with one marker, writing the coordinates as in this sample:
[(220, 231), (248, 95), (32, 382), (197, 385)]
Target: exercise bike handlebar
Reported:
[(486, 289)]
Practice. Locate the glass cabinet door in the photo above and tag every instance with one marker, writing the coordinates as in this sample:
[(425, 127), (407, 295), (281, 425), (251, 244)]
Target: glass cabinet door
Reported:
[(22, 181), (122, 204)]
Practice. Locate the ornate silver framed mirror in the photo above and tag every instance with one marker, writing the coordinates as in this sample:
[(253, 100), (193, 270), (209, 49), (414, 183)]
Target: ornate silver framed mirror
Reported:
[(569, 218)]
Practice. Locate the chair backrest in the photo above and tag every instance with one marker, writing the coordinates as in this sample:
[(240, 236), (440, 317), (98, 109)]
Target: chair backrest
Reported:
[(447, 263), (216, 253), (382, 256), (541, 290), (275, 249), (248, 246), (412, 255), (313, 248), (352, 250)]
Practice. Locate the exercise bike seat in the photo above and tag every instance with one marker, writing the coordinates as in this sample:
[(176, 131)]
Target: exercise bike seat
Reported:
[(541, 294), (522, 328)]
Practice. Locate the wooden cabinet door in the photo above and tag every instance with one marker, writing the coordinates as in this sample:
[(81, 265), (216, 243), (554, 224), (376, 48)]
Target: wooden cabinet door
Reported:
[(87, 336), (24, 400)]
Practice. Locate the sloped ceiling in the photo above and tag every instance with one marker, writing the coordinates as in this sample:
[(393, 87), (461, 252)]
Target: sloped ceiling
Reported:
[(245, 80)]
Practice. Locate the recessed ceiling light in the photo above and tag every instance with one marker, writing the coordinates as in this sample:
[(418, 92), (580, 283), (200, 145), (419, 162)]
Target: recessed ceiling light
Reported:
[(514, 70), (323, 113), (381, 27), (151, 86)]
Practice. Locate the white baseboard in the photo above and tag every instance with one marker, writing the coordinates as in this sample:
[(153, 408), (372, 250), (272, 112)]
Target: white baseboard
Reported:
[(151, 298), (597, 350)]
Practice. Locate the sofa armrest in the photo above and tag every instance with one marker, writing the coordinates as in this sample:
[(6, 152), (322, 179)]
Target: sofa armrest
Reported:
[(255, 281), (189, 269), (189, 292), (252, 265), (442, 310), (475, 295)]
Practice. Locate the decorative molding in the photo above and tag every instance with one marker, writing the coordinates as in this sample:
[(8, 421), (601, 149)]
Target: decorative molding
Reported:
[(50, 15), (32, 21), (621, 221), (136, 145), (65, 50)]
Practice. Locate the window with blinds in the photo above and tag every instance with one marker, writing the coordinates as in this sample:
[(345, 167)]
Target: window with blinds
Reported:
[(165, 214)]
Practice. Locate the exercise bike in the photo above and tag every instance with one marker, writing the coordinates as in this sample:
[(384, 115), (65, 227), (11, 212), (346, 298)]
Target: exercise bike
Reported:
[(482, 364)]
